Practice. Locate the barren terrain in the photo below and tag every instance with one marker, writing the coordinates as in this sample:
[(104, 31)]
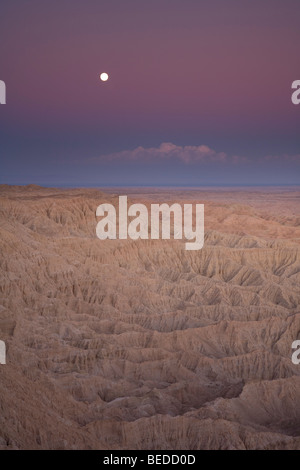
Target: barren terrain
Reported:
[(141, 344)]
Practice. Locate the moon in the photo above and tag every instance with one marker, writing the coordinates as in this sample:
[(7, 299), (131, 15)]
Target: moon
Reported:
[(103, 77)]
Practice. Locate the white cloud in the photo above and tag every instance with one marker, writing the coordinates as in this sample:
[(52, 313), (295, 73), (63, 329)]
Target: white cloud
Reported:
[(189, 154), (168, 151)]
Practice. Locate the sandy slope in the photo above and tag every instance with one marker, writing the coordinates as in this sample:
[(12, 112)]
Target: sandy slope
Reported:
[(143, 345)]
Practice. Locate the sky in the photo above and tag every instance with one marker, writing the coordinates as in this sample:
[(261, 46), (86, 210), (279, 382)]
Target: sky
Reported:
[(199, 92)]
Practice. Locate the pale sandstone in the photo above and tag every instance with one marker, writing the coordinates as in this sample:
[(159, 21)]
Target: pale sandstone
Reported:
[(143, 345)]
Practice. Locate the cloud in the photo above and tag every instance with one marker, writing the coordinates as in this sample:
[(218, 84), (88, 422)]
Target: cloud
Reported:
[(170, 152), (192, 155)]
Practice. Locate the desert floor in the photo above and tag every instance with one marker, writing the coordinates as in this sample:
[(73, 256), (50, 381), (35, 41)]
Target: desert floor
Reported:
[(123, 344)]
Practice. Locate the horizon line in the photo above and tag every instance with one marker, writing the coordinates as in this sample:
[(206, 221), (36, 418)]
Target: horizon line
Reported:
[(167, 186)]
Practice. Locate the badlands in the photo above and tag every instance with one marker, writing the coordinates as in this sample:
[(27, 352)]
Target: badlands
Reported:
[(124, 344)]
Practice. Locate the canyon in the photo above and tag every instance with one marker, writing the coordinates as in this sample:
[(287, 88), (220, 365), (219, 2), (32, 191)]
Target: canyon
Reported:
[(141, 344)]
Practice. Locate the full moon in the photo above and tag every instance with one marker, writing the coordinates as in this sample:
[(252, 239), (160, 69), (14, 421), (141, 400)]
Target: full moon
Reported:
[(103, 77)]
